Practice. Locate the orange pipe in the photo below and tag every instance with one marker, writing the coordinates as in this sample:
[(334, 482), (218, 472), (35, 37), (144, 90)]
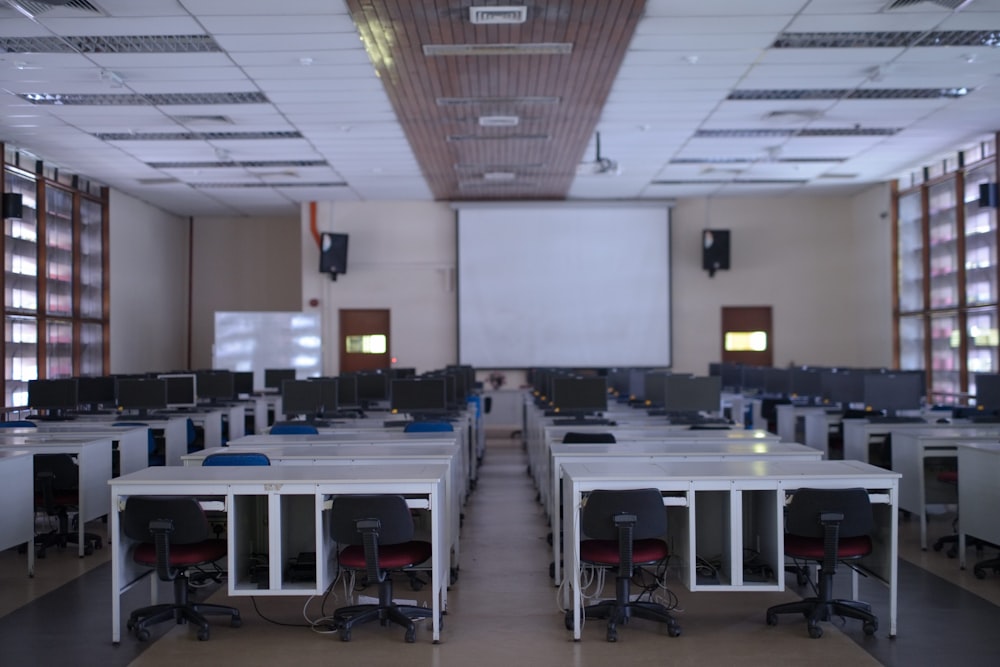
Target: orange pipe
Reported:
[(312, 223)]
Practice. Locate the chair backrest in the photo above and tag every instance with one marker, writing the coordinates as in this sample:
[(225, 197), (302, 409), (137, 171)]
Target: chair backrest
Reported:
[(189, 520), (428, 427), (291, 428), (802, 516), (16, 423), (580, 437), (62, 469), (236, 459), (392, 513), (603, 505)]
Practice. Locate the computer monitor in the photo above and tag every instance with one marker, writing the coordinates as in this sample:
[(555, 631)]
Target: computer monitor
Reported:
[(242, 383), (141, 394), (732, 377), (329, 391), (215, 386), (777, 382), (692, 394), (806, 384), (94, 392), (580, 395), (753, 379), (302, 398), (419, 396), (654, 389), (401, 373), (987, 394), (182, 390), (274, 378), (891, 392), (347, 391), (843, 387), (56, 396), (373, 387)]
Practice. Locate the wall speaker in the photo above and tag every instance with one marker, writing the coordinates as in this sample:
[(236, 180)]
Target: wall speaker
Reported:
[(714, 250), (13, 206), (988, 195), (333, 254)]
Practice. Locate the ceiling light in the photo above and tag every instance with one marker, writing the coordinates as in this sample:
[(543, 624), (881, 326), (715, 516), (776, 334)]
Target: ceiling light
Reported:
[(499, 176), (503, 14), (524, 49), (499, 121)]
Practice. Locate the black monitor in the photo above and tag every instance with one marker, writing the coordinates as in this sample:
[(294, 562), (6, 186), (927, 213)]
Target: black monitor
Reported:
[(329, 391), (637, 384), (182, 390), (843, 387), (216, 386), (274, 378), (141, 394), (347, 391), (242, 383), (302, 398), (777, 382), (372, 388), (987, 394), (692, 394), (753, 379), (891, 392), (419, 396), (654, 388), (618, 381), (95, 392), (56, 396), (580, 395), (402, 373), (732, 377), (806, 383)]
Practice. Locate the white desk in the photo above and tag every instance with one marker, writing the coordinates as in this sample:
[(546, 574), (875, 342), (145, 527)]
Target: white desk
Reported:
[(93, 458), (912, 447), (281, 510), (665, 451), (290, 450), (718, 506), (173, 427), (131, 442), (978, 492), (787, 420), (17, 497)]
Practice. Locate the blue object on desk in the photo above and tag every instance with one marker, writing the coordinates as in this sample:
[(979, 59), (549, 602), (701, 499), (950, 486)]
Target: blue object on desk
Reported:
[(293, 428), (17, 423), (236, 459), (428, 427)]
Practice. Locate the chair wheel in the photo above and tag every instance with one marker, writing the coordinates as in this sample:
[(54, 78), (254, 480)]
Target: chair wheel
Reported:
[(235, 622), (674, 630), (568, 620), (870, 627), (612, 635), (938, 546), (345, 634), (815, 631), (142, 634), (411, 634), (771, 619), (203, 634), (979, 572)]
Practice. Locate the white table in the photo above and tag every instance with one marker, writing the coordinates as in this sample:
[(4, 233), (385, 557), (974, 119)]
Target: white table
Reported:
[(716, 506), (93, 458), (131, 442), (978, 492), (17, 497), (664, 451), (283, 510)]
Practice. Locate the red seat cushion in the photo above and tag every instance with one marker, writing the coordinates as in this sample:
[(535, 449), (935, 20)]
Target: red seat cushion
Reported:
[(181, 555), (390, 556), (811, 548), (948, 476), (605, 552)]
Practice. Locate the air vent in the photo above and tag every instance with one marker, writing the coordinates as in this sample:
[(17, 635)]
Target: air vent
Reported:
[(193, 136), (203, 120), (473, 184), (742, 160), (483, 168), (754, 133), (497, 101), (34, 8), (111, 44), (526, 49), (260, 164), (236, 186), (500, 15), (869, 40), (732, 181), (950, 4), (847, 94), (155, 99), (157, 181)]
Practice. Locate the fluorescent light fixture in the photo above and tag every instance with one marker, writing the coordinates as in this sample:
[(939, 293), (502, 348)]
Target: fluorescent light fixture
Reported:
[(499, 121), (503, 14)]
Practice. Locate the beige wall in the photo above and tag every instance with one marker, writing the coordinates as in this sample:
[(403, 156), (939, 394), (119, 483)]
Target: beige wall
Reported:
[(822, 263)]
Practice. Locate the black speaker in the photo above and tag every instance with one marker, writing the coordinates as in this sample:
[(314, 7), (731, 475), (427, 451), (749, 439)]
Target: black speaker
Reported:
[(333, 254), (13, 206), (714, 250), (988, 195)]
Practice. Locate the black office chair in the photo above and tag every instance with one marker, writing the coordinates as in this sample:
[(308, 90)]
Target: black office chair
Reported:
[(828, 526), (174, 536), (378, 533), (57, 494), (624, 529)]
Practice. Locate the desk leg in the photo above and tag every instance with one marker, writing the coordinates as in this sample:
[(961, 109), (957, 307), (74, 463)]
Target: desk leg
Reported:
[(556, 521), (439, 569), (894, 561), (116, 571), (571, 504)]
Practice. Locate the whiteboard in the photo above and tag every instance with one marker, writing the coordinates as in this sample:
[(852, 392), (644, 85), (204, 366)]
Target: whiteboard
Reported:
[(253, 341), (564, 285)]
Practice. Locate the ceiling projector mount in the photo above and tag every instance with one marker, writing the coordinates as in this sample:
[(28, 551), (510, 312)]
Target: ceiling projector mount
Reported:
[(601, 166)]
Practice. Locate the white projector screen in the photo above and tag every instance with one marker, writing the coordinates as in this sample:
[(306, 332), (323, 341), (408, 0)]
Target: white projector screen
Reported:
[(564, 285)]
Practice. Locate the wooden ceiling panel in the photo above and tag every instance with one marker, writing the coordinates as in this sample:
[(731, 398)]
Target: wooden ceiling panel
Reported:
[(556, 98)]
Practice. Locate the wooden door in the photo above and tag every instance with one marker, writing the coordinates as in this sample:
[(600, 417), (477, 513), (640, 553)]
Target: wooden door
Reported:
[(360, 345), (743, 327)]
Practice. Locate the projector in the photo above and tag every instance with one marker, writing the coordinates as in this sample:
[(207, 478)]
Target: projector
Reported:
[(602, 167)]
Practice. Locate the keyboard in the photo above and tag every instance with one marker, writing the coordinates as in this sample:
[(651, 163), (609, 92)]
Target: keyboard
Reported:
[(582, 422), (882, 419)]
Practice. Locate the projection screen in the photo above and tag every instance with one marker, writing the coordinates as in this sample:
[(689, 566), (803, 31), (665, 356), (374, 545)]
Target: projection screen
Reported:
[(564, 285)]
